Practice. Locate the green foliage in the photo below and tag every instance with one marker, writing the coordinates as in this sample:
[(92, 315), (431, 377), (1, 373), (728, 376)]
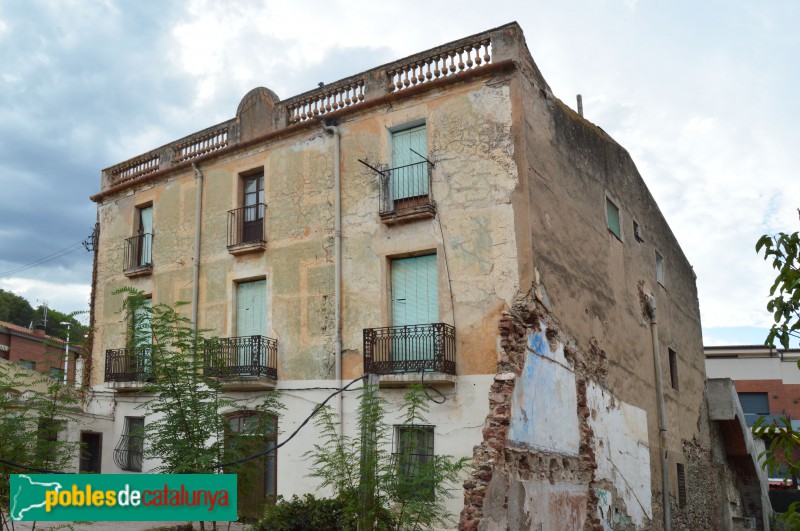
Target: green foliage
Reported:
[(300, 514), (184, 426), (17, 310), (35, 412), (373, 483), (784, 303)]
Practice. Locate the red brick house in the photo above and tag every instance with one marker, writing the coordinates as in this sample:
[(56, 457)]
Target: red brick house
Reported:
[(34, 349)]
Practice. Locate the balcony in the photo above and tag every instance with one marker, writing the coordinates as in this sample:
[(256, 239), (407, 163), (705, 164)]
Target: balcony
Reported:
[(128, 368), (406, 193), (247, 231), (243, 363), (424, 353), (138, 259)]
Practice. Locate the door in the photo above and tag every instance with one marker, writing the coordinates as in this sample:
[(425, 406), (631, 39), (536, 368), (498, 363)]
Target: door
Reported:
[(415, 301), (91, 452), (251, 325), (248, 433), (253, 203), (409, 176), (145, 249)]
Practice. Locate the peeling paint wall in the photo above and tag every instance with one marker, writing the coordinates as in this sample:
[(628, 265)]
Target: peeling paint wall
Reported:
[(621, 451), (544, 407)]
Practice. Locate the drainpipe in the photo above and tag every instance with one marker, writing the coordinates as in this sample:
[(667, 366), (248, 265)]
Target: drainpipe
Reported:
[(198, 210), (662, 415), (337, 266)]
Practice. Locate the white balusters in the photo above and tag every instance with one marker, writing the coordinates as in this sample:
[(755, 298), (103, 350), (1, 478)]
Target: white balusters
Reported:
[(326, 100), (442, 64)]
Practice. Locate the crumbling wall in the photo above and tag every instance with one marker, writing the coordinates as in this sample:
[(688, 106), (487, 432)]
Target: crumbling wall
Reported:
[(559, 450)]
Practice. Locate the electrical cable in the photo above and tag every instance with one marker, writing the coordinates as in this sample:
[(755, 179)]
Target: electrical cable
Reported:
[(426, 387), (49, 258), (302, 424), (31, 468)]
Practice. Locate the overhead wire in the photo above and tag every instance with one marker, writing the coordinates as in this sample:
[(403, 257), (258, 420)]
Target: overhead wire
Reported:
[(295, 432), (49, 258)]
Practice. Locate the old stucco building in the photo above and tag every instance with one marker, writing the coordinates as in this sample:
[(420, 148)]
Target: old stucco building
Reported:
[(442, 218)]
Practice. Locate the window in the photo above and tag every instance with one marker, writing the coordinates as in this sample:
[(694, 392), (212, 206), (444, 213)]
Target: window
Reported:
[(612, 218), (415, 461), (47, 439), (145, 236), (409, 176), (254, 207), (28, 364), (130, 449), (247, 433), (673, 368), (637, 233), (754, 405), (56, 373), (659, 268), (681, 485)]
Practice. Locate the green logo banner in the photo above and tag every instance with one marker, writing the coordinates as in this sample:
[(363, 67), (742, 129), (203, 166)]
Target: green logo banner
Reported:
[(123, 497)]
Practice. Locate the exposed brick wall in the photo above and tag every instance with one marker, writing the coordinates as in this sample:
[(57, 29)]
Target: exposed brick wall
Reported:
[(784, 399), (495, 457)]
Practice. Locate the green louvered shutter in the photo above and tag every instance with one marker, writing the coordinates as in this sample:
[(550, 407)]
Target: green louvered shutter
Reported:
[(409, 181), (414, 301), (251, 315)]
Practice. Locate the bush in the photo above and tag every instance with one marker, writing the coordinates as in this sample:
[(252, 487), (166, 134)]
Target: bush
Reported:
[(300, 514)]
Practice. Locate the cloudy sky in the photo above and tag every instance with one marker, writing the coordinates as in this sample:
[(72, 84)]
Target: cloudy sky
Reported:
[(702, 94)]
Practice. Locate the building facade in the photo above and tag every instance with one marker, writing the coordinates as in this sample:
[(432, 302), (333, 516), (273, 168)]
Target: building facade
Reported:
[(442, 219)]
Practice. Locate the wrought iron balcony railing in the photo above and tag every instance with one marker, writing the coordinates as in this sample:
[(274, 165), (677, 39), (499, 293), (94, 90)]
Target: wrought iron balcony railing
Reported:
[(129, 365), (129, 452), (231, 357), (247, 225), (406, 190), (138, 252), (411, 348)]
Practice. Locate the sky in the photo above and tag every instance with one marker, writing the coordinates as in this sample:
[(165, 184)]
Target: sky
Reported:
[(702, 95)]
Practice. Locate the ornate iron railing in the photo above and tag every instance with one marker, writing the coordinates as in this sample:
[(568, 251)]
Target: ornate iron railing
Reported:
[(138, 252), (247, 225), (129, 365), (406, 189), (411, 348), (129, 452), (242, 356)]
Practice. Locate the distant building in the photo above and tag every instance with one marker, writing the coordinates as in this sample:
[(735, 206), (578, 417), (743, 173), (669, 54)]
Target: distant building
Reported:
[(767, 379), (35, 350), (442, 219)]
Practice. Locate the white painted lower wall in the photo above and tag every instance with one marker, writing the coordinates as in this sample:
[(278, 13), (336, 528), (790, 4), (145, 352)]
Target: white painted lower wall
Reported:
[(458, 424)]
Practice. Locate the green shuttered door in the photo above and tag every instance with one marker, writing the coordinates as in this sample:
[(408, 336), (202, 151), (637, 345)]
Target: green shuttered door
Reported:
[(414, 291), (251, 308), (409, 181)]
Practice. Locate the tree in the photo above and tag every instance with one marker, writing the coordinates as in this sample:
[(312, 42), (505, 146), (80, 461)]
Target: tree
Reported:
[(784, 303), (34, 412), (782, 455), (185, 427), (377, 487)]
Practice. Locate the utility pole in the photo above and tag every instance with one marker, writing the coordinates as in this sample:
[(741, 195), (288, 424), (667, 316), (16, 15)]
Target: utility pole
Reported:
[(66, 352)]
